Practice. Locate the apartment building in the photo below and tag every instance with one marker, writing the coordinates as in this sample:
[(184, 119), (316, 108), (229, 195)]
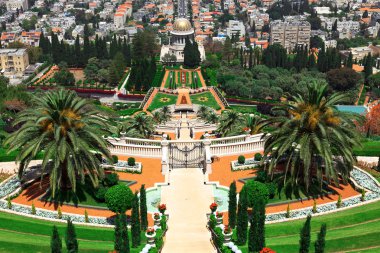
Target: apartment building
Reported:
[(7, 38), (121, 14), (13, 5), (290, 34), (13, 61), (31, 38), (234, 28)]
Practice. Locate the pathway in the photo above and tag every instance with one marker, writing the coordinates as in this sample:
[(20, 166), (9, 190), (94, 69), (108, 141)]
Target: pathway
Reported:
[(181, 93), (213, 92), (188, 200), (184, 130), (147, 104)]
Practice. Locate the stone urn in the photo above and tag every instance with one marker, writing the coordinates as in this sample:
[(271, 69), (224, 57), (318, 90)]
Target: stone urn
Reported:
[(227, 236), (150, 236), (157, 219), (219, 218)]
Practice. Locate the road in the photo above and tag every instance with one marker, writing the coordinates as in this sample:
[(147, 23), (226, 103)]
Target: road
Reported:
[(182, 8)]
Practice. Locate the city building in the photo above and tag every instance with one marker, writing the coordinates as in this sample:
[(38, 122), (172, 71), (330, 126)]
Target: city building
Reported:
[(290, 34), (13, 5), (31, 38), (13, 61), (121, 14), (234, 28), (182, 30)]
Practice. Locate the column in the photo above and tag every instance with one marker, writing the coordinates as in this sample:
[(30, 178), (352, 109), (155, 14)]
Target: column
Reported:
[(207, 144), (165, 157)]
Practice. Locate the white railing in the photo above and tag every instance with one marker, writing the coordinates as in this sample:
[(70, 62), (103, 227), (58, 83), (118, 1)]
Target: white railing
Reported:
[(229, 140), (248, 146), (135, 150)]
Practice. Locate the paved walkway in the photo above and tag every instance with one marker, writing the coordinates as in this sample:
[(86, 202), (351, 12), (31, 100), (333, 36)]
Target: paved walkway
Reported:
[(188, 200)]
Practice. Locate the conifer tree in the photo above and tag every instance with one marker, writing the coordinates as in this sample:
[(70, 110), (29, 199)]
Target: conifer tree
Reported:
[(135, 226), (320, 242), (124, 234), (251, 236), (242, 218), (118, 239), (349, 62), (143, 209), (55, 242), (232, 202), (71, 238), (305, 236)]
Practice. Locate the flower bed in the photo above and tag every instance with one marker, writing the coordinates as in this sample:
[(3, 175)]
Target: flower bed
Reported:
[(123, 166), (248, 164)]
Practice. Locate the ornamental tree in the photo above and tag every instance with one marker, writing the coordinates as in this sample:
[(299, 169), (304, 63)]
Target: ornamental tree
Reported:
[(143, 209), (320, 242), (71, 238), (305, 236), (119, 198), (135, 226), (232, 202), (256, 191), (56, 242), (242, 218)]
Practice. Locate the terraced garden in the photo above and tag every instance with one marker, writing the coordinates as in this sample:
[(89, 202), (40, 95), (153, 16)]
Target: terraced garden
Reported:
[(161, 100), (206, 99)]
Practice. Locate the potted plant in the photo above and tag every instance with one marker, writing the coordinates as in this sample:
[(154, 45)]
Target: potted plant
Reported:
[(150, 235), (219, 218), (157, 219), (246, 130), (213, 207), (227, 232), (162, 208)]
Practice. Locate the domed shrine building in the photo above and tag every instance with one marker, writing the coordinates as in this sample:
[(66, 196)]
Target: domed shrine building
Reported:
[(182, 29)]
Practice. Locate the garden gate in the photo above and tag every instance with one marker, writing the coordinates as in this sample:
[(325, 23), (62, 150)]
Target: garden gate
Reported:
[(190, 155)]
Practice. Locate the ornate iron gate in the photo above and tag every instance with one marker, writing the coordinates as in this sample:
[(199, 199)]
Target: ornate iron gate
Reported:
[(186, 156)]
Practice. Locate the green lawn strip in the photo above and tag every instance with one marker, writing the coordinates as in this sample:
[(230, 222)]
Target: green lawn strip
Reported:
[(5, 157), (211, 102), (369, 148), (128, 112), (244, 109), (122, 80), (199, 83), (156, 103), (167, 83)]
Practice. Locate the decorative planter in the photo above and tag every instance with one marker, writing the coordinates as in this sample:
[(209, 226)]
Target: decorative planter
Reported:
[(157, 222), (151, 238), (227, 237)]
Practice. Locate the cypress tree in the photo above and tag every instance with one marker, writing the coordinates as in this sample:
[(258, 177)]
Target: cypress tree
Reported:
[(143, 209), (55, 242), (135, 226), (118, 240), (124, 234), (320, 242), (322, 60), (349, 62), (242, 218), (367, 67), (188, 54), (250, 61), (261, 225), (71, 238), (232, 202), (305, 236), (251, 236)]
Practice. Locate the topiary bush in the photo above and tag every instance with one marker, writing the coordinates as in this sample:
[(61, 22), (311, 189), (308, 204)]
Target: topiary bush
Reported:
[(119, 198), (111, 179), (256, 190), (219, 237), (212, 222), (241, 159), (272, 187), (262, 176), (131, 161), (258, 157), (115, 159)]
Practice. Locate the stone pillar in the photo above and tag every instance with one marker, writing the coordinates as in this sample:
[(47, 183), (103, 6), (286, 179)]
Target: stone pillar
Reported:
[(207, 144), (165, 157)]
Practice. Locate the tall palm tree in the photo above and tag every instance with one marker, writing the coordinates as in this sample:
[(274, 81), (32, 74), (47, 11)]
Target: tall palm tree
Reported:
[(140, 126), (68, 129), (230, 123), (203, 112), (254, 123), (313, 137)]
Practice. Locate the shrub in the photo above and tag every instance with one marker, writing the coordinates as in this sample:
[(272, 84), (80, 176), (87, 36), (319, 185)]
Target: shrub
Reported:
[(9, 202), (115, 159), (241, 159), (86, 216), (362, 198), (261, 176), (101, 193), (315, 206), (287, 215), (339, 202), (111, 179), (256, 190), (163, 222), (71, 238), (59, 213), (131, 161), (271, 189), (33, 209), (119, 198), (219, 237), (212, 222), (258, 157), (55, 241)]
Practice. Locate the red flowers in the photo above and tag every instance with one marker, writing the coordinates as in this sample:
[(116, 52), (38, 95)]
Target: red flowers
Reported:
[(150, 231), (227, 229), (213, 207), (156, 216), (162, 208), (267, 250), (219, 215)]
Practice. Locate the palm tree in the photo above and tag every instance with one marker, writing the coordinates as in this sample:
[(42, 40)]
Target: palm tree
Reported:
[(313, 137), (140, 126), (203, 112), (230, 123), (254, 123), (212, 118), (68, 129)]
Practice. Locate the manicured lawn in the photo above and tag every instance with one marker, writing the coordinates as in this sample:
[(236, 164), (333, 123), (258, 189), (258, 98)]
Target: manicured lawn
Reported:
[(244, 109), (161, 100), (21, 234), (5, 157), (356, 228), (206, 99), (370, 148)]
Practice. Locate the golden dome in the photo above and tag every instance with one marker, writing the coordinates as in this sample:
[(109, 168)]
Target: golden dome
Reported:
[(182, 25)]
